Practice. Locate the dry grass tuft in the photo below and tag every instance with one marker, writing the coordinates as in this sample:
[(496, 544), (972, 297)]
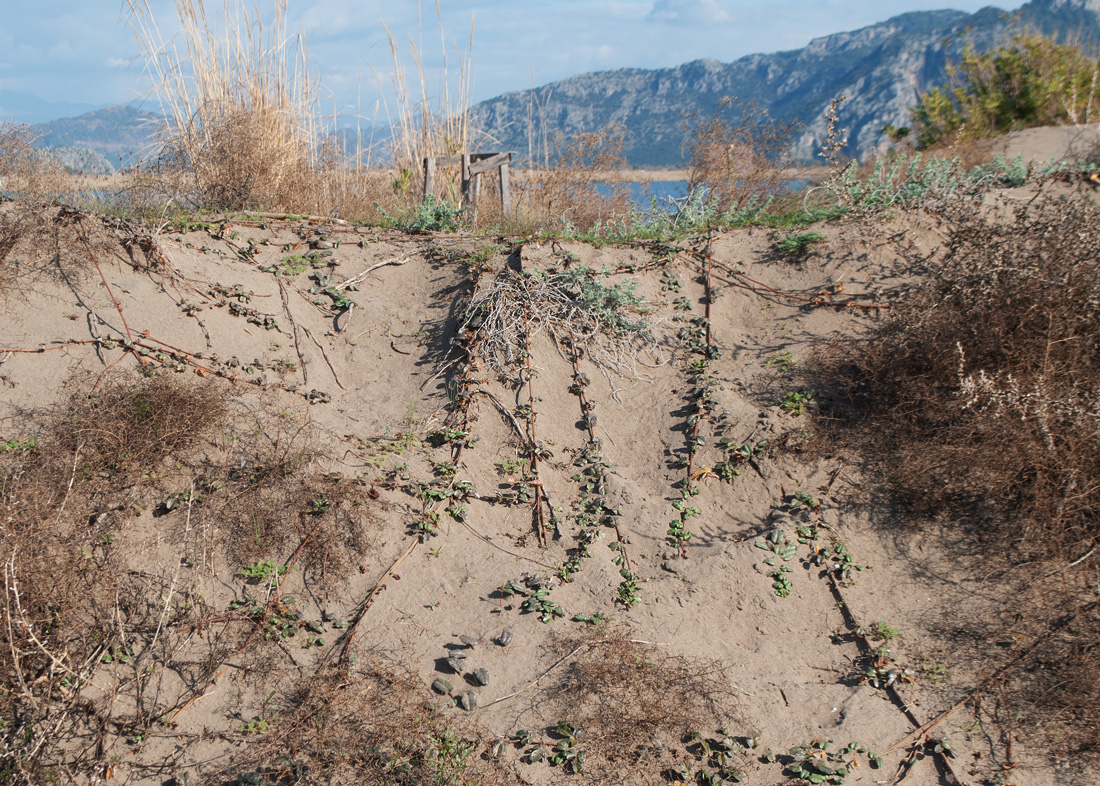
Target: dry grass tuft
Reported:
[(979, 394), (63, 496), (581, 190), (626, 694), (25, 172), (574, 306), (421, 130), (244, 127), (737, 163), (373, 726), (122, 431)]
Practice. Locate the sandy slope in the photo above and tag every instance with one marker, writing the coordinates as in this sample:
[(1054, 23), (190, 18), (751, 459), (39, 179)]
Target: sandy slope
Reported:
[(395, 364)]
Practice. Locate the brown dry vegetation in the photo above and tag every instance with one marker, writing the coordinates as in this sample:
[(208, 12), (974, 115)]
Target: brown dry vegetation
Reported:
[(65, 494), (737, 164), (139, 524), (148, 526), (979, 393)]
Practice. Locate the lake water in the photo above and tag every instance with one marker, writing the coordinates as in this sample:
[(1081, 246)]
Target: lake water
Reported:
[(667, 194)]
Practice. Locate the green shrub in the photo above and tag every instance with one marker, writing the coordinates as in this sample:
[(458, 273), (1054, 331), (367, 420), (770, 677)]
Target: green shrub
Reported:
[(1033, 81)]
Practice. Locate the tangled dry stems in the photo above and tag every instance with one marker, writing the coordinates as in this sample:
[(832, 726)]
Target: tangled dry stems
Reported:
[(371, 726), (85, 638), (736, 158), (66, 592), (574, 308), (981, 396), (625, 694)]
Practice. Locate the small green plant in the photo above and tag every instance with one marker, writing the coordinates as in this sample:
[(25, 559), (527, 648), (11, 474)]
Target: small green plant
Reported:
[(289, 267), (431, 216), (712, 758), (452, 435), (780, 546), (783, 360), (447, 754), (801, 502), (19, 444), (539, 603), (514, 466), (880, 631), (628, 588), (815, 763), (932, 670), (797, 401), (263, 570), (255, 726), (799, 243), (339, 298)]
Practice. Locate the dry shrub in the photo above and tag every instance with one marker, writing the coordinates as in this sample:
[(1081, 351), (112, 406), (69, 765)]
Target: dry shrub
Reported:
[(373, 726), (980, 394), (243, 114), (583, 189), (1060, 685), (736, 162), (25, 171), (124, 430), (623, 694), (421, 130), (66, 597), (272, 508), (19, 223)]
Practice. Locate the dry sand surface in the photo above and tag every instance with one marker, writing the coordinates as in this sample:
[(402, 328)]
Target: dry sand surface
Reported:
[(365, 389)]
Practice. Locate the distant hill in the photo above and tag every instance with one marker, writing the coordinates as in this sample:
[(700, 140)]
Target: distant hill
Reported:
[(882, 68), (26, 108), (121, 133)]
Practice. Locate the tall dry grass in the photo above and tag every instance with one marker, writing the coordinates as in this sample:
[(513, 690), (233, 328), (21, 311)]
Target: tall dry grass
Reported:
[(244, 120), (424, 124)]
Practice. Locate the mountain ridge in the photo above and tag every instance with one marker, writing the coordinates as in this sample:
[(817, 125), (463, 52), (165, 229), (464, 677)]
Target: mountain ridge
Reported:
[(882, 68)]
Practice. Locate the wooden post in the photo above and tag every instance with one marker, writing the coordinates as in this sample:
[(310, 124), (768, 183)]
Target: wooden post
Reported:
[(475, 192), (465, 178), (429, 176), (505, 193)]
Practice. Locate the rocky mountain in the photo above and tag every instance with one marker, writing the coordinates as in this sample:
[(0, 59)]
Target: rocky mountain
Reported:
[(881, 68), (20, 107), (120, 133)]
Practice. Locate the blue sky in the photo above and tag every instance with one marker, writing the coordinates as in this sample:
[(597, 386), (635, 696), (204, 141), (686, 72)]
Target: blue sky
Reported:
[(83, 51)]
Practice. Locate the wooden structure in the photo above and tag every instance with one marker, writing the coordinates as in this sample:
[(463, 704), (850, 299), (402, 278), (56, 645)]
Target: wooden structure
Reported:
[(474, 165)]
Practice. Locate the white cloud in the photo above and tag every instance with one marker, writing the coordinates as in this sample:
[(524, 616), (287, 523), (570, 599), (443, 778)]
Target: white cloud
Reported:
[(688, 12)]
